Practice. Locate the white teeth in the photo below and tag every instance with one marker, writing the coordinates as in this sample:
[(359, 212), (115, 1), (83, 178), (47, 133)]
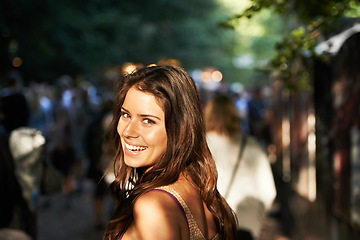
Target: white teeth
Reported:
[(134, 148)]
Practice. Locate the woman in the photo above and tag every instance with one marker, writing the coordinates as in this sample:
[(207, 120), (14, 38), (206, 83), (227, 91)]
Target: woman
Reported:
[(245, 175), (165, 185)]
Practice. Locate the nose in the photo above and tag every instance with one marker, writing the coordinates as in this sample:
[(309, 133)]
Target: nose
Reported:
[(131, 130)]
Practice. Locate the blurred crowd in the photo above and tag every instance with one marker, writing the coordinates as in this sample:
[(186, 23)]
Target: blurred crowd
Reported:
[(73, 117)]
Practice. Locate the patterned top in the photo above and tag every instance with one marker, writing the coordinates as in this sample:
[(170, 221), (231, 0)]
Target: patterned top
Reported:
[(195, 232)]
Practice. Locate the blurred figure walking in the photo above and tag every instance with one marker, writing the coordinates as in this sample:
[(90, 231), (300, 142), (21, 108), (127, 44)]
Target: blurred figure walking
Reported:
[(14, 109), (98, 148), (18, 199), (61, 146), (245, 177)]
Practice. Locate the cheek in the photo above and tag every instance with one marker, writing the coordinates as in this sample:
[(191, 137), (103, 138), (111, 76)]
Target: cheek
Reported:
[(158, 138), (119, 128)]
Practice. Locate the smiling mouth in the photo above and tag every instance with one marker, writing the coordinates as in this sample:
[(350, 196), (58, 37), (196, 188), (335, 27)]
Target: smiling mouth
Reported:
[(133, 148)]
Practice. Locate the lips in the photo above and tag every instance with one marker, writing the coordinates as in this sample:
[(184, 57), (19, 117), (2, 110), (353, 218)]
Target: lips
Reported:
[(134, 148)]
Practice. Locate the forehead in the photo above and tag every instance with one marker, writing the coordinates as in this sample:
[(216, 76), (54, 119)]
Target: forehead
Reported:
[(142, 101)]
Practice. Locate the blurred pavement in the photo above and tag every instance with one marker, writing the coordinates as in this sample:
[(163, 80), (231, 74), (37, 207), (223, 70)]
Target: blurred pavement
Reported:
[(71, 220), (75, 219)]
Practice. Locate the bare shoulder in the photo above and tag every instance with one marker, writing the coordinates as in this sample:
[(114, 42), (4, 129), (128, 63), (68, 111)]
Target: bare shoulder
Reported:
[(156, 216), (155, 202)]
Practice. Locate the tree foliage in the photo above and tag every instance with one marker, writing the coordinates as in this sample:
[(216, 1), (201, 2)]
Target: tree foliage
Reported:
[(308, 22), (78, 37)]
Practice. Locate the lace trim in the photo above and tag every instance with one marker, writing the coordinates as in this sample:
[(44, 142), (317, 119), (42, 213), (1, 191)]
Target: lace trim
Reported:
[(195, 232)]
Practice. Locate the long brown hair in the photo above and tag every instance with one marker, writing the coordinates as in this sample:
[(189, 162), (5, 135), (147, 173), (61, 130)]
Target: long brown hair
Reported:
[(187, 149)]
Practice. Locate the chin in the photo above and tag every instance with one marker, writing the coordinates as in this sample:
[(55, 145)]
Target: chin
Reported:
[(131, 163)]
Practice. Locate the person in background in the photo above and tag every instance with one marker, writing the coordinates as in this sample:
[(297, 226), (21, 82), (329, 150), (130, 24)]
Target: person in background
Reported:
[(15, 213), (245, 175), (62, 153), (14, 107), (16, 216), (165, 177), (40, 108), (96, 149), (260, 116)]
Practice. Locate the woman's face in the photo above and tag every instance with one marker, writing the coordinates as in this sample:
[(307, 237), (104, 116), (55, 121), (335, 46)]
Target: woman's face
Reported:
[(141, 128)]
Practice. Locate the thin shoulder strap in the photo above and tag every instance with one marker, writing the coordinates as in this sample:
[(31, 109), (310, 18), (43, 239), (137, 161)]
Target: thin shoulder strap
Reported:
[(166, 190), (242, 147), (194, 229)]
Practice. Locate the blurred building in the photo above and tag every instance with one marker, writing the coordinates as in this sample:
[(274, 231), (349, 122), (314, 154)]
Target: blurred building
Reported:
[(316, 136)]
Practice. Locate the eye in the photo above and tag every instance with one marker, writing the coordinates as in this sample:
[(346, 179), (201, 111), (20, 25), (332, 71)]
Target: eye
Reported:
[(148, 121), (124, 114)]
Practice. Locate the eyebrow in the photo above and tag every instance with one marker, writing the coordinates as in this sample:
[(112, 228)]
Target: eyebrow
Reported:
[(142, 115)]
